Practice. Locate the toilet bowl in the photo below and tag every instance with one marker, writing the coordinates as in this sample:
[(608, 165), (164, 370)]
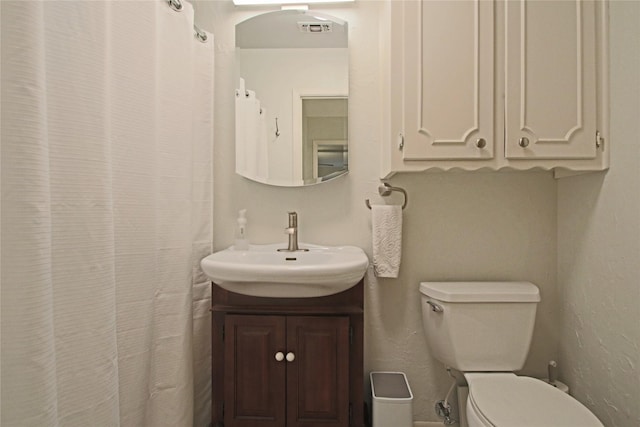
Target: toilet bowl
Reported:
[(505, 399), (484, 330)]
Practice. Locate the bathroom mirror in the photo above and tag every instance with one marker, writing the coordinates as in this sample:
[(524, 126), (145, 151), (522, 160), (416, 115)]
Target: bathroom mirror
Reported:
[(291, 98)]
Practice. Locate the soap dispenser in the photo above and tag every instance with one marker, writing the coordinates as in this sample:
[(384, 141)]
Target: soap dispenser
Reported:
[(241, 244)]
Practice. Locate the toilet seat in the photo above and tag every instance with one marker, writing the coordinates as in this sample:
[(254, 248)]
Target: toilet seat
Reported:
[(505, 399)]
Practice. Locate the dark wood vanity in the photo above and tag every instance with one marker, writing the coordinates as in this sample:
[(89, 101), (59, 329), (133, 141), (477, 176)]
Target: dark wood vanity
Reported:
[(284, 362)]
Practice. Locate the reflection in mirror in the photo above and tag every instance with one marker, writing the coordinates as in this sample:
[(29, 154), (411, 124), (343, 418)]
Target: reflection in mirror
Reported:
[(324, 138), (292, 98)]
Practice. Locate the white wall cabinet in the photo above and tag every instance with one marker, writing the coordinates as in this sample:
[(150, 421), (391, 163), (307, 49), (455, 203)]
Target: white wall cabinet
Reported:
[(480, 84)]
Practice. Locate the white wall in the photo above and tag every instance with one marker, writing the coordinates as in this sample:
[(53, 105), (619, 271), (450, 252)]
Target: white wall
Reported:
[(599, 249), (457, 226)]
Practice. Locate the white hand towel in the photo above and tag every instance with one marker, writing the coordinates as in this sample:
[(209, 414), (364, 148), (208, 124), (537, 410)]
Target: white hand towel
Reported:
[(386, 221)]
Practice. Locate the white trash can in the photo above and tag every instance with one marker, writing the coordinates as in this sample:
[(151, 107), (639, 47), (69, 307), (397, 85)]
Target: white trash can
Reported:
[(392, 399)]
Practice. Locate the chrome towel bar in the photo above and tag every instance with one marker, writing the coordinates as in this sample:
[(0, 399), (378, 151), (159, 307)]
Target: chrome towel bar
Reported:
[(385, 189)]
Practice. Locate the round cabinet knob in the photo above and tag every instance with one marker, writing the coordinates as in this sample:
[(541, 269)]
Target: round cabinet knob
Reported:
[(291, 357), (279, 356), (481, 143), (523, 142)]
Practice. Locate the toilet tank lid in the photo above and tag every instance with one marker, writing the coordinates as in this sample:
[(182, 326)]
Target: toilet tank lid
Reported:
[(481, 291)]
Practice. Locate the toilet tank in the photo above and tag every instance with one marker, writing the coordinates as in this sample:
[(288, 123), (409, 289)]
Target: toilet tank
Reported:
[(479, 326)]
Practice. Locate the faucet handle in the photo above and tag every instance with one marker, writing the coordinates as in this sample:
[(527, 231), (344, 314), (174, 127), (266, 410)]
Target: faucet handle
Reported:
[(289, 230), (293, 219)]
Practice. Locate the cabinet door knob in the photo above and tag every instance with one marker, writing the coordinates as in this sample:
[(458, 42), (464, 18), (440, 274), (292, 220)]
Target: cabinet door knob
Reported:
[(279, 356), (481, 143), (523, 142), (291, 357)]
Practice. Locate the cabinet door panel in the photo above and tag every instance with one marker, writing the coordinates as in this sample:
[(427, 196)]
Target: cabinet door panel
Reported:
[(550, 79), (318, 378), (254, 379), (448, 71)]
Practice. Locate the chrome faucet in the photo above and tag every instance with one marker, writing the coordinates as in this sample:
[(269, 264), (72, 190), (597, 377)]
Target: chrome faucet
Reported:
[(292, 231)]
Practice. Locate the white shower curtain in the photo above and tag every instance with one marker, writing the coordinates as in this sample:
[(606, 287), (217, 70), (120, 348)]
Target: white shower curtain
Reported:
[(106, 211), (252, 149)]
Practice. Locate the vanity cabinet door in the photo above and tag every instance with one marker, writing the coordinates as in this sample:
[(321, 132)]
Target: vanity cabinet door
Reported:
[(318, 377), (550, 85), (254, 380), (288, 371), (448, 79)]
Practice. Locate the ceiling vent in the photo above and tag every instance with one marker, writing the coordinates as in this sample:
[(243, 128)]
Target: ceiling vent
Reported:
[(315, 27)]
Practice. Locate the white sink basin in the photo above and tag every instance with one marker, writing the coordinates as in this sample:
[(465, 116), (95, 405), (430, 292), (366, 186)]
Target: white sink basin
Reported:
[(263, 271)]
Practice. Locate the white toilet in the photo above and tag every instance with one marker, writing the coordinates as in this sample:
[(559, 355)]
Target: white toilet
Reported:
[(484, 329)]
